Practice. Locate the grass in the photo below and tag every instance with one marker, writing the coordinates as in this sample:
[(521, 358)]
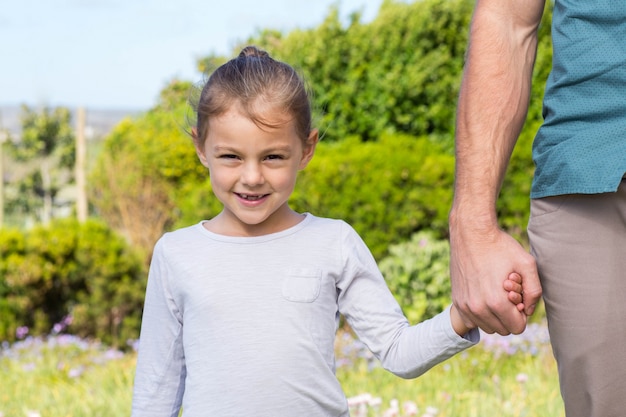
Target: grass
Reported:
[(502, 376), (63, 376)]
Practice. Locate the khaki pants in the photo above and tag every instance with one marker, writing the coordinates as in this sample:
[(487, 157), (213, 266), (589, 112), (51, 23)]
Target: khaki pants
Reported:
[(579, 242)]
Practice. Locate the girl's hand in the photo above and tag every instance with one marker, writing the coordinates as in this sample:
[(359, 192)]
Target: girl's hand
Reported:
[(457, 322), (513, 285)]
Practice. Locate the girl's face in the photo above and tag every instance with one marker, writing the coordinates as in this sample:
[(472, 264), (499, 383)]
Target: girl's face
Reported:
[(253, 173)]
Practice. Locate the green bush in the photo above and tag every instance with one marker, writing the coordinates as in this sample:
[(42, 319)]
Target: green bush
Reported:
[(68, 274), (398, 73), (143, 163), (387, 190), (12, 250), (417, 274)]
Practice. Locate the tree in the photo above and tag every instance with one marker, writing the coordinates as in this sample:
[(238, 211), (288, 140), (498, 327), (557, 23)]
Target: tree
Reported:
[(399, 73), (47, 144), (143, 166)]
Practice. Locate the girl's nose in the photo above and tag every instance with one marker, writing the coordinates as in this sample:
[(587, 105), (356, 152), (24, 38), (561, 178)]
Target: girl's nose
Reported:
[(252, 174)]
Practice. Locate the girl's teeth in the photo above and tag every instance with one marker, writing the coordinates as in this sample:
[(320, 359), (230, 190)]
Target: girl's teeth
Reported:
[(250, 197)]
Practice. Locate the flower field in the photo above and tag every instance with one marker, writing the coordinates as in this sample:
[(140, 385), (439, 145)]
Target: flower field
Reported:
[(64, 376), (503, 376)]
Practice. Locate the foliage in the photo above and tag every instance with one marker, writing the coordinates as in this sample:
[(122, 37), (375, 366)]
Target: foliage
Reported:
[(69, 274), (47, 142), (44, 134), (401, 73), (417, 274), (208, 64), (195, 201), (398, 73), (387, 190), (64, 376), (512, 376), (141, 167)]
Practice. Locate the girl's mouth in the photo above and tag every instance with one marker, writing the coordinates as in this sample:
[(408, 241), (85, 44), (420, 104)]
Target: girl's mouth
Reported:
[(251, 197)]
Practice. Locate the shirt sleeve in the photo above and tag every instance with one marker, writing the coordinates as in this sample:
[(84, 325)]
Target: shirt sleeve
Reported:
[(160, 373), (373, 313)]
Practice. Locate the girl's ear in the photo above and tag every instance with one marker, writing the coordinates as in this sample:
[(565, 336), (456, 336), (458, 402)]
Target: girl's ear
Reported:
[(198, 145), (309, 148)]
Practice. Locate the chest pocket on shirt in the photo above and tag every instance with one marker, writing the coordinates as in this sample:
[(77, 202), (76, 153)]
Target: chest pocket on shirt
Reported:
[(302, 285)]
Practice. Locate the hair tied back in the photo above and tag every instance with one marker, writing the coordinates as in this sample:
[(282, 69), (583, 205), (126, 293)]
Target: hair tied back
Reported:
[(253, 52)]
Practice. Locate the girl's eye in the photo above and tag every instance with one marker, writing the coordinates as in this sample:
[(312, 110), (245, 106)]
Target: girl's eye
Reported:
[(228, 156), (273, 157)]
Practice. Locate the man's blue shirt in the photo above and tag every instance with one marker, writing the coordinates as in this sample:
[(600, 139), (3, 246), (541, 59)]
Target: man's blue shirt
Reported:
[(581, 146)]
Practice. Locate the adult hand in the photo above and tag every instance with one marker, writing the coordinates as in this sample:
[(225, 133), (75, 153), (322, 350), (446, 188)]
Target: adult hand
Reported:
[(480, 261)]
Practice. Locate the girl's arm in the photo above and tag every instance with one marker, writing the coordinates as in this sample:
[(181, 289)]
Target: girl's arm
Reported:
[(373, 313), (160, 373)]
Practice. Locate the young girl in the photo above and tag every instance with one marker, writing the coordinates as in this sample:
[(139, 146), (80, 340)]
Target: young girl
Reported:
[(241, 310)]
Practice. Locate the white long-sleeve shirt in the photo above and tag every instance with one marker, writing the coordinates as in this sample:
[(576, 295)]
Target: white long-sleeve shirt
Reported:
[(245, 326)]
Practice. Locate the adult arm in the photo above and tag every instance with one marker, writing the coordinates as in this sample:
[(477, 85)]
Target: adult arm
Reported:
[(492, 108)]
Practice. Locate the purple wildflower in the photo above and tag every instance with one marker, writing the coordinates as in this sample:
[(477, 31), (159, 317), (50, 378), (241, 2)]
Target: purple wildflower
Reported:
[(534, 339), (76, 372), (62, 325), (21, 332)]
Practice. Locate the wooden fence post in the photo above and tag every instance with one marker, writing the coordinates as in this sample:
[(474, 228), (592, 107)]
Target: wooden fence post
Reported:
[(81, 182)]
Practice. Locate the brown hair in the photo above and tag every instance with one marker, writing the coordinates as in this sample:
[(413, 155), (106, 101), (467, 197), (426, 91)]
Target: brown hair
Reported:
[(248, 78)]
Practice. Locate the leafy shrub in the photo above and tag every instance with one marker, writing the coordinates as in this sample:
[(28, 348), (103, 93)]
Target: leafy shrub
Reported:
[(195, 201), (417, 272), (12, 250), (79, 275), (387, 190), (399, 73), (143, 163)]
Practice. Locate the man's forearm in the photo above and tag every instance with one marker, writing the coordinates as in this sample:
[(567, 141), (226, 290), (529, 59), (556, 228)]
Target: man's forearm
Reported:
[(493, 102)]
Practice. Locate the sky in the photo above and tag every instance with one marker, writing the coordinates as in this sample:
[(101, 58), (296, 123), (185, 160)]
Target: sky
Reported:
[(119, 54)]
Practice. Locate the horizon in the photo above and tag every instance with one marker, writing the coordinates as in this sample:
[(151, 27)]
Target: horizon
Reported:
[(99, 122)]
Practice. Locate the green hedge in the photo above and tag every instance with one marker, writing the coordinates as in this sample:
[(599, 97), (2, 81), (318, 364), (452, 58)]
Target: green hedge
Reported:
[(80, 278), (417, 273), (387, 190)]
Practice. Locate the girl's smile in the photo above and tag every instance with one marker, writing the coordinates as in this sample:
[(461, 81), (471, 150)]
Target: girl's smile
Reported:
[(250, 200), (249, 197)]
